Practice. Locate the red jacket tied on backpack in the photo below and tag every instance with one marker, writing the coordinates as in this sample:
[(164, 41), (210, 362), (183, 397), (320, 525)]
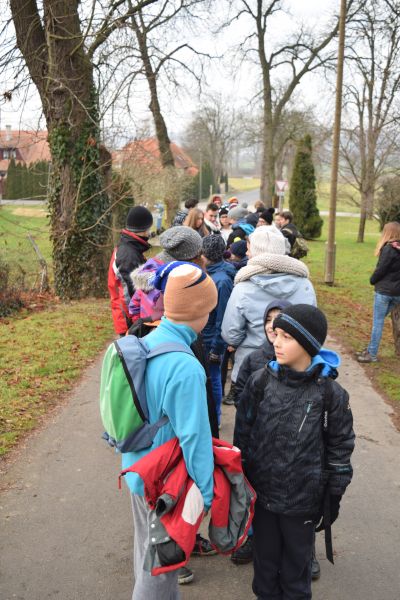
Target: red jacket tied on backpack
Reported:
[(177, 508)]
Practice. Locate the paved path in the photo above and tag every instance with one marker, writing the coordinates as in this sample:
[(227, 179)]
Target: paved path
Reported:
[(66, 530)]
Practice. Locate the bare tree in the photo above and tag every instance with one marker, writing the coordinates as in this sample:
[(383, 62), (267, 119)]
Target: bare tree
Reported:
[(212, 132), (57, 43), (151, 31), (371, 147), (282, 67)]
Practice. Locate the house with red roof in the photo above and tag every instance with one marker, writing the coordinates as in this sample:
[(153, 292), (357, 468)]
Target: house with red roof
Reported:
[(25, 147), (147, 153)]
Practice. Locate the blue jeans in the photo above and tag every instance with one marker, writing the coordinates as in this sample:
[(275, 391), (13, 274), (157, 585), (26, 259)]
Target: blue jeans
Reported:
[(215, 376), (383, 305)]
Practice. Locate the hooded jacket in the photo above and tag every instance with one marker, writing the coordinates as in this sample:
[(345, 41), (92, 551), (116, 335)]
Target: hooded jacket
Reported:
[(279, 430), (240, 231), (266, 278), (126, 256), (222, 274), (386, 277)]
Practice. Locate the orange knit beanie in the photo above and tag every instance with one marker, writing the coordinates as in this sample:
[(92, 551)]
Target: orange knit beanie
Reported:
[(189, 294)]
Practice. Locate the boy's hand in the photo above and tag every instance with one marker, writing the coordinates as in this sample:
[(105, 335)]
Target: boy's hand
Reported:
[(334, 510)]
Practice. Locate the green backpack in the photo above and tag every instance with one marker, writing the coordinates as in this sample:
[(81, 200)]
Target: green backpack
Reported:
[(123, 404)]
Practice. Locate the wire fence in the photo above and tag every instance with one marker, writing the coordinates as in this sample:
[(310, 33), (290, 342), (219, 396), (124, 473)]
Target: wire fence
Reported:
[(25, 254)]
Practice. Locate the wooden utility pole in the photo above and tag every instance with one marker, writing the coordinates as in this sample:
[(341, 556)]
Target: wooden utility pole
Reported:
[(330, 256)]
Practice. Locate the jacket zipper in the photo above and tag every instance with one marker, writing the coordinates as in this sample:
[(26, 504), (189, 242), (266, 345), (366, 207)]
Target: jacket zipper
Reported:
[(309, 403)]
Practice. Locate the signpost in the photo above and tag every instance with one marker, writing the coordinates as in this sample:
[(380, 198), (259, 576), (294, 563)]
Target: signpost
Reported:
[(280, 187)]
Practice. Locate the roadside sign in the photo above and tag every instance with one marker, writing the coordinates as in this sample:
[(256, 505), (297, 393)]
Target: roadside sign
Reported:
[(281, 186)]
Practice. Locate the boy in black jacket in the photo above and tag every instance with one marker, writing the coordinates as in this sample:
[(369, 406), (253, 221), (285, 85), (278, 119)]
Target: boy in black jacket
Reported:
[(296, 453)]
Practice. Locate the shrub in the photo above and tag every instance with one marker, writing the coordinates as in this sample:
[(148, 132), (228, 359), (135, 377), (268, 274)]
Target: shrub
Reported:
[(389, 201), (10, 298), (302, 195)]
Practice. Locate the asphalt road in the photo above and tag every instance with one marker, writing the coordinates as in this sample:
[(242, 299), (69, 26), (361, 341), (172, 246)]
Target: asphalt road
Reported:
[(66, 531)]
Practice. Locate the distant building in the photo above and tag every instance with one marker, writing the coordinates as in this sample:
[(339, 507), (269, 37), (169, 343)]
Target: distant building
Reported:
[(147, 152), (25, 147)]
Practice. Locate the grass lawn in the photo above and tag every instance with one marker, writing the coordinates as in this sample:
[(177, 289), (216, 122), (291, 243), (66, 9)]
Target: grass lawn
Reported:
[(348, 304), (344, 204), (243, 184), (16, 222), (42, 354)]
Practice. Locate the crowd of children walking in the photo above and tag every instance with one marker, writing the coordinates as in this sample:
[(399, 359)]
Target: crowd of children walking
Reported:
[(225, 283)]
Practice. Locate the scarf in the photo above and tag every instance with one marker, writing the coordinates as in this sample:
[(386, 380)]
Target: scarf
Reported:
[(266, 264)]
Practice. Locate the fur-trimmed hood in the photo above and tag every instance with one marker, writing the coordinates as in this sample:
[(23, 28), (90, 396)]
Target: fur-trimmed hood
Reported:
[(267, 264), (142, 276)]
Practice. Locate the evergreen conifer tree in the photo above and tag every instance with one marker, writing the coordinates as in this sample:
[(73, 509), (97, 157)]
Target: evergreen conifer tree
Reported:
[(9, 191), (302, 195)]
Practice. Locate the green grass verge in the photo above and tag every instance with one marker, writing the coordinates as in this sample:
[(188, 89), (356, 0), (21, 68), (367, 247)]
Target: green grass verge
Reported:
[(41, 356), (243, 184), (348, 304)]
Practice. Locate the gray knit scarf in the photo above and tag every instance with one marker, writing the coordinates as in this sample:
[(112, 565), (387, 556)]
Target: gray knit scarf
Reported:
[(265, 264)]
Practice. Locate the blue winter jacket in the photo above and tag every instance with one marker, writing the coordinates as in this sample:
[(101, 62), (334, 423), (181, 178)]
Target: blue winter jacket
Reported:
[(176, 387), (222, 274)]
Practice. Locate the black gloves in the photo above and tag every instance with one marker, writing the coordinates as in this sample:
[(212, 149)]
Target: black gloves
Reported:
[(334, 512)]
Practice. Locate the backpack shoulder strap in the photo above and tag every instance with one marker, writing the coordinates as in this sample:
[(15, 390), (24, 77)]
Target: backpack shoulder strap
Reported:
[(169, 347)]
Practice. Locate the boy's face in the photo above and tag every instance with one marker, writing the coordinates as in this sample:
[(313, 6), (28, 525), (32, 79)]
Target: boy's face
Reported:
[(211, 216), (223, 219), (289, 352), (271, 335)]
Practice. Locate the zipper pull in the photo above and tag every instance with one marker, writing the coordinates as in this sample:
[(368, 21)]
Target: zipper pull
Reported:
[(309, 403)]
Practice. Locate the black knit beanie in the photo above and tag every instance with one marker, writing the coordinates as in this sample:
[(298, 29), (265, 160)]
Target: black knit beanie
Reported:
[(306, 323), (139, 219), (267, 215)]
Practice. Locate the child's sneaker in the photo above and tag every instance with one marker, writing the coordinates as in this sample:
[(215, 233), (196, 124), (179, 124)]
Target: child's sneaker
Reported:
[(244, 554), (185, 575), (203, 547)]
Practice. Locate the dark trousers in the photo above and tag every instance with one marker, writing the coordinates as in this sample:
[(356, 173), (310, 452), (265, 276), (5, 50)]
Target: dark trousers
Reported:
[(282, 549), (224, 367)]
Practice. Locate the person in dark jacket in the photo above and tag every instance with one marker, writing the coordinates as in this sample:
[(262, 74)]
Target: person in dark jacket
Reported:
[(182, 213), (222, 274), (291, 414), (256, 360), (240, 228), (284, 220), (126, 257), (259, 358), (386, 279), (238, 254)]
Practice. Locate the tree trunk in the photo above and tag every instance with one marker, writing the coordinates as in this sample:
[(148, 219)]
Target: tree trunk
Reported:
[(78, 201), (171, 201), (396, 328), (363, 218), (267, 166)]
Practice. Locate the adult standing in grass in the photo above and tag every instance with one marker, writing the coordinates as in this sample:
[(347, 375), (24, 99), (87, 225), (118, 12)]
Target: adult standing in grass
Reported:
[(386, 279), (127, 256)]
